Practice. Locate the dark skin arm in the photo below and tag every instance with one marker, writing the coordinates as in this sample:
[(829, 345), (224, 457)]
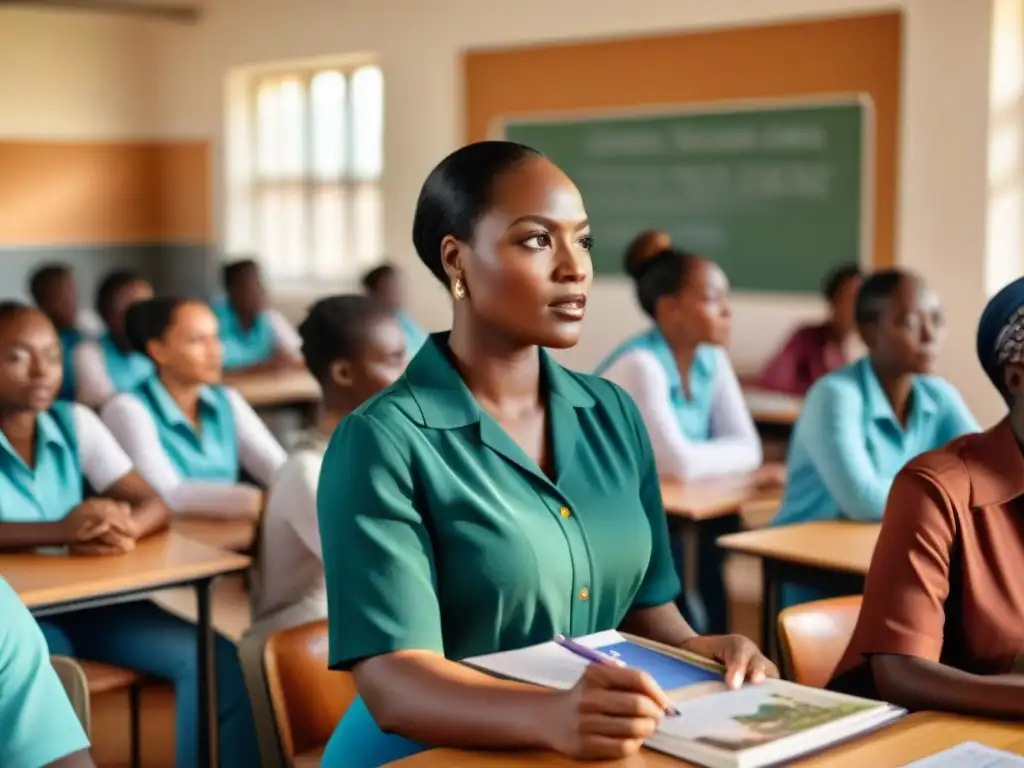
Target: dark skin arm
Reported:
[(919, 684), (80, 759), (149, 513), (665, 624), (444, 702), (87, 523)]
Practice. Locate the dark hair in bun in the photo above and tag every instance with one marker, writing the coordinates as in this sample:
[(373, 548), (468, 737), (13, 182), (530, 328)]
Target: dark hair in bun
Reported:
[(663, 274), (457, 193)]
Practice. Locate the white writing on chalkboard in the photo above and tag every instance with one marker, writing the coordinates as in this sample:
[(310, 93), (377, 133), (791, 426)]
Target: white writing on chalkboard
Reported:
[(708, 186), (629, 142)]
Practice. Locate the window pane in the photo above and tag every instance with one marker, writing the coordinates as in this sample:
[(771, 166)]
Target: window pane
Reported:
[(328, 114), (282, 232), (367, 240), (367, 122), (268, 128), (292, 148), (329, 227)]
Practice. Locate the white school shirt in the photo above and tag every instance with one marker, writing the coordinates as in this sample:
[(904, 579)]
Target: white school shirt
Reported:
[(290, 561), (259, 454), (732, 444)]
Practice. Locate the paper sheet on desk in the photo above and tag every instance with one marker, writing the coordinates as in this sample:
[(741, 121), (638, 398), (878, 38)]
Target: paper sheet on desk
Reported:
[(970, 754)]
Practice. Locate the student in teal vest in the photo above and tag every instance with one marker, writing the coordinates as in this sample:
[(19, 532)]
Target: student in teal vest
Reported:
[(109, 364), (491, 498), (256, 337), (384, 285), (49, 452), (38, 723), (55, 292), (680, 377), (862, 423), (188, 435)]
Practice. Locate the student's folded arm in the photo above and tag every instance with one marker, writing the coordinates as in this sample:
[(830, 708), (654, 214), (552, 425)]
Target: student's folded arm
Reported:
[(731, 421), (110, 472), (902, 619), (642, 377), (133, 426), (93, 386), (258, 450), (833, 420), (385, 622)]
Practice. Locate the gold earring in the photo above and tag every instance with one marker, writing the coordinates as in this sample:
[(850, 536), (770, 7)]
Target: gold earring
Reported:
[(459, 289)]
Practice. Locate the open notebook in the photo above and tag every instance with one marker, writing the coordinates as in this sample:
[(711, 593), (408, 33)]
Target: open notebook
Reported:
[(757, 725)]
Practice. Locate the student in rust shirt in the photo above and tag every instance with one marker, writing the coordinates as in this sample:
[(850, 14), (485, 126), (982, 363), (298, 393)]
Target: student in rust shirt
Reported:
[(942, 624), (811, 351)]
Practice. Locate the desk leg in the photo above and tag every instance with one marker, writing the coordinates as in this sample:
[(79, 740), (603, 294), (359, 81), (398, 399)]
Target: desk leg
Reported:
[(770, 601), (693, 601), (207, 676)]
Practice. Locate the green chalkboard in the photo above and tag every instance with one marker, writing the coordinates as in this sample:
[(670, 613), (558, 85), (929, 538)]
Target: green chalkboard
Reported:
[(775, 194)]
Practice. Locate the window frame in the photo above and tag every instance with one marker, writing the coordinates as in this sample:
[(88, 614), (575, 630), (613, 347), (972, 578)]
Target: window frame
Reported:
[(309, 182)]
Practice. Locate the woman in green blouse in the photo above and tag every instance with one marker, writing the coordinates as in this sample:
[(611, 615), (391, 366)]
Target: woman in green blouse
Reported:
[(491, 498)]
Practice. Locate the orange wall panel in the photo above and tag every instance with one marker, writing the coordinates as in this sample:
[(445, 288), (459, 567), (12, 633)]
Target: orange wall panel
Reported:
[(186, 205), (57, 193), (839, 56)]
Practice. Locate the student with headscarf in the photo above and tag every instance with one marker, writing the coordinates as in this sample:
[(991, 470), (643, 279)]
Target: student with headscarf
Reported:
[(862, 423), (942, 622)]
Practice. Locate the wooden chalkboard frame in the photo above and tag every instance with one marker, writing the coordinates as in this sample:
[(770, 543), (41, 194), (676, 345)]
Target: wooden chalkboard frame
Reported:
[(497, 130)]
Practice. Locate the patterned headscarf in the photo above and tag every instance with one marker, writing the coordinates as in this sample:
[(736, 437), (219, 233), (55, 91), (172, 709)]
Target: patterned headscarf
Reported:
[(1001, 332)]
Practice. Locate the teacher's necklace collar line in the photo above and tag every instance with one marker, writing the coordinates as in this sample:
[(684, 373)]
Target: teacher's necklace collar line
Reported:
[(445, 401)]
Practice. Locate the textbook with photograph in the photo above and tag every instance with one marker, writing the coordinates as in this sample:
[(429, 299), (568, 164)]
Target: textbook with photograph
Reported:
[(754, 726)]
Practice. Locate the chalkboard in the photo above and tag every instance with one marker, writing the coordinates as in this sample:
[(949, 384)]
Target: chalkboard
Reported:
[(775, 194)]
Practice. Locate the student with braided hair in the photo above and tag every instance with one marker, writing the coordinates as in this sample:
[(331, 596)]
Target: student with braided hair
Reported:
[(354, 347)]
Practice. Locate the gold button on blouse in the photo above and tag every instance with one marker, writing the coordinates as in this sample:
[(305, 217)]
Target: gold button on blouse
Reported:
[(584, 594), (565, 512)]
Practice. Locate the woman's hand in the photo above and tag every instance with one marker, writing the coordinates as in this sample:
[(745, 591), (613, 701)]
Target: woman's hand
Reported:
[(742, 659), (95, 518), (769, 477), (608, 714)]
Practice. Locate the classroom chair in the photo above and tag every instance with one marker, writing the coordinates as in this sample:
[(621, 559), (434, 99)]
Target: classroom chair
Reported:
[(306, 697), (814, 636), (76, 686), (106, 678)]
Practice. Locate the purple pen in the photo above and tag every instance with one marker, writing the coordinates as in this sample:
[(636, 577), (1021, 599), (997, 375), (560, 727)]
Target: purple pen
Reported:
[(596, 657)]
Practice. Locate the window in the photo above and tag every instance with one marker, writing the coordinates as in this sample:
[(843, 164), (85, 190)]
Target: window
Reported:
[(316, 202)]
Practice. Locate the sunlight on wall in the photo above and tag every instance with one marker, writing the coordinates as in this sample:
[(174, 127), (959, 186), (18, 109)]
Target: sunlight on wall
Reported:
[(1005, 235)]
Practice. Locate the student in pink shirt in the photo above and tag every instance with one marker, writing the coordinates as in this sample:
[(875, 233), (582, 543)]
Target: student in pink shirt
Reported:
[(811, 351)]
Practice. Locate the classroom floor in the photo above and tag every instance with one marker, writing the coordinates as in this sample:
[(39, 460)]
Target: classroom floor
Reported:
[(231, 616)]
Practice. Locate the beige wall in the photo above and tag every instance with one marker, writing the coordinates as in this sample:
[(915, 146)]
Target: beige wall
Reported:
[(75, 76), (942, 186), (84, 75)]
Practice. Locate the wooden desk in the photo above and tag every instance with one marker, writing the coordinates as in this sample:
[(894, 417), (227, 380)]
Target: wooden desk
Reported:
[(913, 738), (288, 387), (53, 584), (229, 534), (834, 555), (705, 508), (772, 408)]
